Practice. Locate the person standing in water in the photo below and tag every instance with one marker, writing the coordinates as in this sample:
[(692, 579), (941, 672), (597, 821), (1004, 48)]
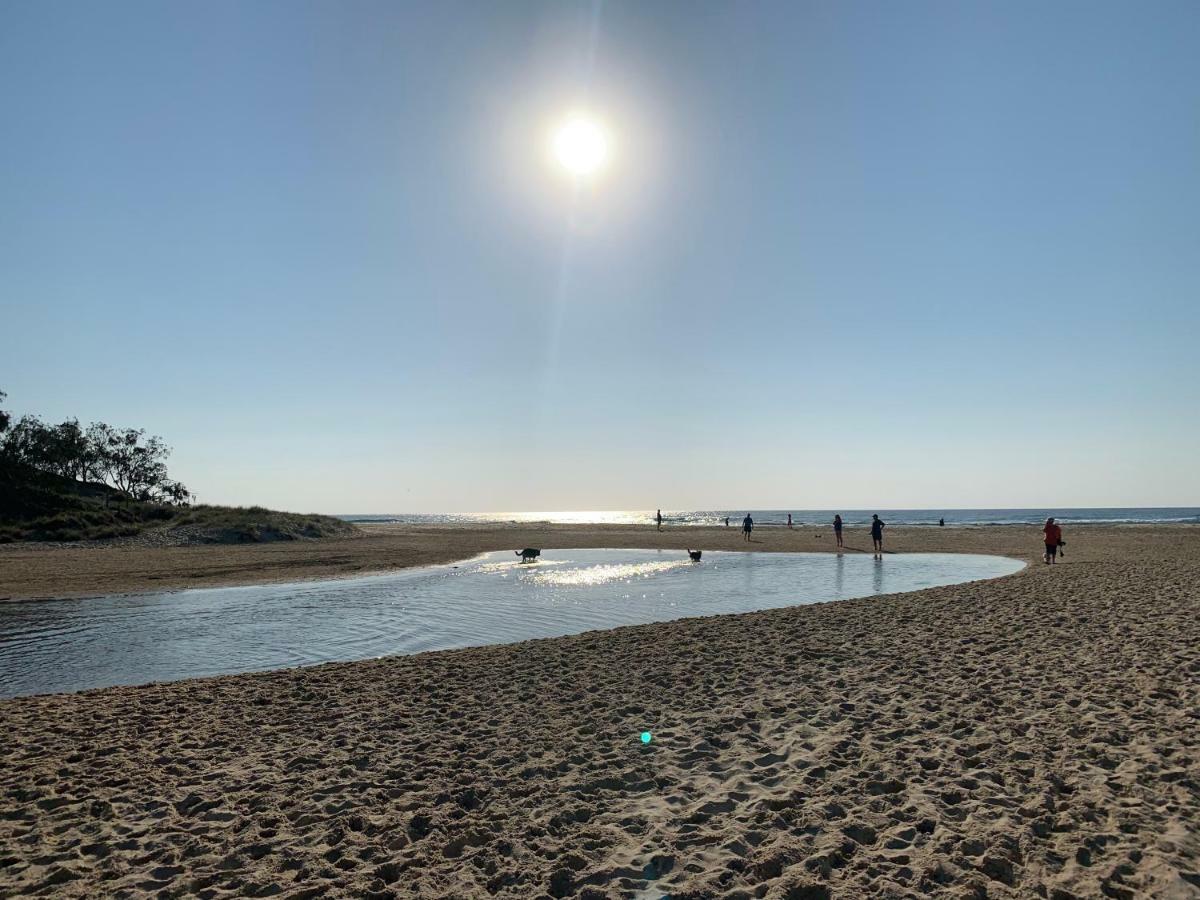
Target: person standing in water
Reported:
[(727, 521), (837, 529), (941, 523), (1054, 540), (789, 520), (877, 526), (747, 526), (658, 518)]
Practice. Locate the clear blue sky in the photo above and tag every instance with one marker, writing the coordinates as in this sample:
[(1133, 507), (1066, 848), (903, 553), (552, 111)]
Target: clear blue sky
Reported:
[(879, 254)]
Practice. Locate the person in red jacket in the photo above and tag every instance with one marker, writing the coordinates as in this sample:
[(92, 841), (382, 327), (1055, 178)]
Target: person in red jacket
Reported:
[(1053, 540)]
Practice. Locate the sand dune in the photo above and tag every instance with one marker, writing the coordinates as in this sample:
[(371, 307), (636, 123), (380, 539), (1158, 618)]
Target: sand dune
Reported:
[(1038, 735)]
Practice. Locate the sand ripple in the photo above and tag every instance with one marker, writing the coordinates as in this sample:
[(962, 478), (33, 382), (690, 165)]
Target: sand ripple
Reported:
[(1033, 736)]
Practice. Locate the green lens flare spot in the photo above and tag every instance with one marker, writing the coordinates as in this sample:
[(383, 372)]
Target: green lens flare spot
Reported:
[(646, 737)]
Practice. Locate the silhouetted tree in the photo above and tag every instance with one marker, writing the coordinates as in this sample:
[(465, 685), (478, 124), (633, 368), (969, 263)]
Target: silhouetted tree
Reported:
[(28, 442), (124, 459), (174, 492), (68, 447), (131, 466)]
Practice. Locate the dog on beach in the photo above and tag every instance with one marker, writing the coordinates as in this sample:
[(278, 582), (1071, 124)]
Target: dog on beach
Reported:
[(529, 554), (695, 555)]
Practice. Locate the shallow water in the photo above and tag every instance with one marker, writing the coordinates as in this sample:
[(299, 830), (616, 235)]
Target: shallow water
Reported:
[(68, 645)]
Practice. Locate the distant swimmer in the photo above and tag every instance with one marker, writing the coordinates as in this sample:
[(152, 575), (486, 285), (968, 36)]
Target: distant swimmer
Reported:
[(837, 528), (1054, 541), (658, 518), (747, 526), (877, 526)]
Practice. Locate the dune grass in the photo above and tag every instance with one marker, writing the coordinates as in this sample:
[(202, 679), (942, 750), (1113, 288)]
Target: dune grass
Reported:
[(251, 524), (49, 509)]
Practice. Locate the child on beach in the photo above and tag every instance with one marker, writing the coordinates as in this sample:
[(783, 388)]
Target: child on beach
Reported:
[(1053, 534)]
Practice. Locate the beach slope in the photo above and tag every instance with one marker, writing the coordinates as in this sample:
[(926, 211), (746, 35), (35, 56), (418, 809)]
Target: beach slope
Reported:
[(1037, 735)]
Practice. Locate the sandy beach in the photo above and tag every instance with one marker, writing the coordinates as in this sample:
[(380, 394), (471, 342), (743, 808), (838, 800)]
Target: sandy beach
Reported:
[(31, 571), (1033, 736)]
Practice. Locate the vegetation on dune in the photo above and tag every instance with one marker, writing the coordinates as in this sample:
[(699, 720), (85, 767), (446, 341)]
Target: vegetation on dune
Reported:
[(246, 524), (69, 518), (69, 483)]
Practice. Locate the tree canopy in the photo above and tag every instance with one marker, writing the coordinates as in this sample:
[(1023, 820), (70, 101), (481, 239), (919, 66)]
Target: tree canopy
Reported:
[(122, 458)]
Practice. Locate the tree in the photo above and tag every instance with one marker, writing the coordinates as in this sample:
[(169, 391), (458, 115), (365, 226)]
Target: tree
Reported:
[(173, 492), (62, 449), (68, 447), (29, 442), (132, 466), (122, 458)]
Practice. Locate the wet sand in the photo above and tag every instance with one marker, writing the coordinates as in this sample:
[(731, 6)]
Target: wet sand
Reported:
[(1036, 735)]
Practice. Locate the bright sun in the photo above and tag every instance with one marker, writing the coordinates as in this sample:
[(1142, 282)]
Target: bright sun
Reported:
[(581, 145)]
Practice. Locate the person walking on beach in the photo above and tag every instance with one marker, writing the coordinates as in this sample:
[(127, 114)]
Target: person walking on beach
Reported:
[(789, 520), (727, 521), (837, 529), (1054, 540), (877, 526), (747, 527), (658, 518)]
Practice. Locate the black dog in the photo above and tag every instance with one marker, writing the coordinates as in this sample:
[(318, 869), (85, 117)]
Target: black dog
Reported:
[(695, 555), (529, 554)]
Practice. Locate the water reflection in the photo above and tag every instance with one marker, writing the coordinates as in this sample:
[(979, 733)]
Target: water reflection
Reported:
[(76, 644)]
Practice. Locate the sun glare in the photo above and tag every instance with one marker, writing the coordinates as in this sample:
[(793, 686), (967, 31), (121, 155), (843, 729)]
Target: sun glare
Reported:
[(581, 145)]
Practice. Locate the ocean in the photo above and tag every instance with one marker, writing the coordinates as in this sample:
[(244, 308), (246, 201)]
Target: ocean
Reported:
[(701, 517)]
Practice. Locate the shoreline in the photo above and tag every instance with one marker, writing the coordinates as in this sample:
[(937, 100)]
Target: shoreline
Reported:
[(40, 572), (455, 563), (1032, 734), (242, 584), (495, 641)]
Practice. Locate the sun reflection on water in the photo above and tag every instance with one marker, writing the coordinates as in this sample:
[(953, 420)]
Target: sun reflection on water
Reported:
[(516, 565), (591, 576), (575, 517)]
